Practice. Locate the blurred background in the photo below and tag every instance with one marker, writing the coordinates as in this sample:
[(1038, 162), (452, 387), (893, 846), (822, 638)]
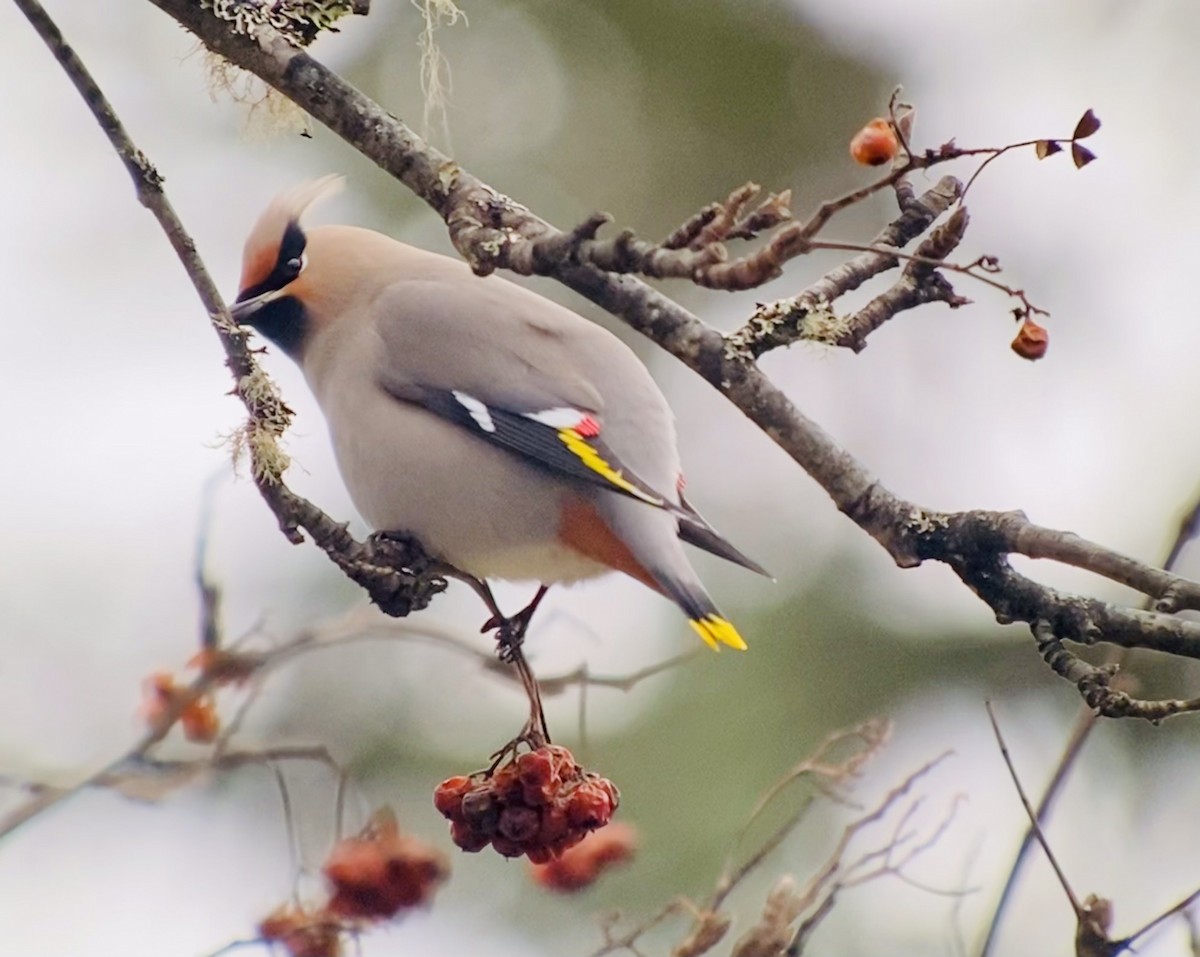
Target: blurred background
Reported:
[(115, 415)]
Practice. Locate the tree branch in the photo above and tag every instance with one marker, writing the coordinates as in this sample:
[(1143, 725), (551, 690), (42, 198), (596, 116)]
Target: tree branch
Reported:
[(492, 232)]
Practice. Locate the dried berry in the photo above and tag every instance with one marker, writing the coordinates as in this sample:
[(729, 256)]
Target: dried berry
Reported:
[(481, 809), (875, 144), (467, 838), (200, 721), (381, 871), (162, 696), (302, 933), (579, 866), (539, 805), (1032, 340), (589, 808), (449, 794), (158, 696), (520, 824)]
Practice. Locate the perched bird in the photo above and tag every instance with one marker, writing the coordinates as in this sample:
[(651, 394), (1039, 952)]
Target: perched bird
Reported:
[(513, 438)]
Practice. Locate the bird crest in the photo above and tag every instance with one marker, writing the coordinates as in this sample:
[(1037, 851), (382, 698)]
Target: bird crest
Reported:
[(263, 244)]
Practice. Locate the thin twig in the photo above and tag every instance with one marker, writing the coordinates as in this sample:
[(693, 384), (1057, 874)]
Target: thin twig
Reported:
[(1033, 819), (1179, 908), (1085, 723)]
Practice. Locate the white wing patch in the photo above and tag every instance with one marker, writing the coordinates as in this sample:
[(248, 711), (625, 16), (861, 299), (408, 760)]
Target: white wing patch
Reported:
[(563, 418), (479, 411), (567, 418)]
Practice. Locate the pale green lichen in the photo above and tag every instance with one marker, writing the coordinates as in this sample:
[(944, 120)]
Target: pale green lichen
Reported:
[(269, 418), (435, 69), (493, 246), (268, 461), (300, 21), (267, 458), (822, 324), (268, 112), (448, 176), (922, 522)]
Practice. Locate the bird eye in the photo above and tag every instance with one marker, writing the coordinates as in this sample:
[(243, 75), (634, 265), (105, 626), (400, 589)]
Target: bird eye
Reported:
[(295, 266)]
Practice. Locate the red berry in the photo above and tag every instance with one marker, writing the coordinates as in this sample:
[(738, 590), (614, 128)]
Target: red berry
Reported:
[(200, 721), (381, 871), (563, 761), (302, 933), (158, 696), (536, 768), (590, 807), (520, 824), (875, 144), (555, 825), (506, 847), (448, 795), (579, 866), (481, 809), (1032, 341), (467, 838)]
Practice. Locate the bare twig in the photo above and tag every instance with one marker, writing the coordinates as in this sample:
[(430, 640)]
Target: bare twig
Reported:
[(1033, 818), (1093, 917), (1183, 907), (614, 943), (137, 773), (1084, 725), (785, 321), (825, 774), (823, 888), (920, 283)]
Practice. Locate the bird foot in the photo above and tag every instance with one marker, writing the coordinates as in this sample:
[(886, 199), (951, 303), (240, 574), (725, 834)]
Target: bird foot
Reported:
[(510, 631)]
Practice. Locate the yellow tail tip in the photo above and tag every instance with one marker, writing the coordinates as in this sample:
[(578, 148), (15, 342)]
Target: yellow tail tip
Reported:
[(716, 631)]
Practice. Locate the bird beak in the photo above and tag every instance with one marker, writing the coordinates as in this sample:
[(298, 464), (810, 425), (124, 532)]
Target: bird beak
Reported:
[(243, 312)]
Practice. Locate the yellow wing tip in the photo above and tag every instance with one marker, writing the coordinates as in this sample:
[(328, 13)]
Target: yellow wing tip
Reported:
[(716, 631)]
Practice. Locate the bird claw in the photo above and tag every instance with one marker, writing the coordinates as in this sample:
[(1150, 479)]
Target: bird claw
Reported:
[(510, 635), (510, 631)]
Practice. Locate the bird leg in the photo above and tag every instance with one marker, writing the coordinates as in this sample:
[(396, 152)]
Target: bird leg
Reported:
[(510, 633)]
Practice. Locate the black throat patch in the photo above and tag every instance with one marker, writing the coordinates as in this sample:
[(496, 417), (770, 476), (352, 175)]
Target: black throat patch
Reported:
[(283, 321)]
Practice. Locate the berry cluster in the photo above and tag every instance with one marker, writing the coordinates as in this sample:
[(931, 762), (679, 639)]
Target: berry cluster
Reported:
[(302, 932), (374, 876), (583, 864), (381, 871), (538, 805), (165, 700)]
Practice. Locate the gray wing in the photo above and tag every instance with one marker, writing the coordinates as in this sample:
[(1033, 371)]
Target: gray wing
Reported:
[(531, 376)]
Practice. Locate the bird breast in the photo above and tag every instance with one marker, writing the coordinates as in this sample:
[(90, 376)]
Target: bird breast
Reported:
[(474, 505)]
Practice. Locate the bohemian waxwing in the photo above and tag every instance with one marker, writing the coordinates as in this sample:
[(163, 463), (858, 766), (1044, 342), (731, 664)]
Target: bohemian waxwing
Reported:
[(512, 437)]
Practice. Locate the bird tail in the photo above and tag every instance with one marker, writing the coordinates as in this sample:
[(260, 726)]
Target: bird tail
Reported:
[(695, 530), (704, 617), (644, 543)]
